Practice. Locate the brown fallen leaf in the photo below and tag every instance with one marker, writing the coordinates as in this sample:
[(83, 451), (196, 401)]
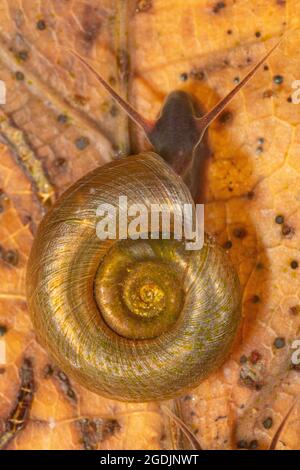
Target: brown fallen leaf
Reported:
[(58, 124)]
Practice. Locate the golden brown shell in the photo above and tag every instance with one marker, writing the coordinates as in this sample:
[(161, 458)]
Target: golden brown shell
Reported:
[(77, 288)]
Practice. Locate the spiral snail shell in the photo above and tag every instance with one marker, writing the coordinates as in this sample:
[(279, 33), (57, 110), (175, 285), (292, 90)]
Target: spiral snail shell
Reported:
[(134, 320)]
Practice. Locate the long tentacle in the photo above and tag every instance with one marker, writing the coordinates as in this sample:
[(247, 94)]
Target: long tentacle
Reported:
[(204, 121), (145, 124)]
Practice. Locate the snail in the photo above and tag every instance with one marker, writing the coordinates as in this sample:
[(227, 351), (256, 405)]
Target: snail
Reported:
[(144, 319)]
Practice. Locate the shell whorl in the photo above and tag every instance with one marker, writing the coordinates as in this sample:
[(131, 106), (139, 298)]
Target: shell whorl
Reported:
[(131, 320)]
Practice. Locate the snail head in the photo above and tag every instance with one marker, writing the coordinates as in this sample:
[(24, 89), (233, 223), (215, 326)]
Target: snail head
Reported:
[(178, 130)]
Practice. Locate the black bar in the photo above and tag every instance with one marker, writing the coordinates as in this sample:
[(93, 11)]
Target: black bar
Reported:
[(136, 459)]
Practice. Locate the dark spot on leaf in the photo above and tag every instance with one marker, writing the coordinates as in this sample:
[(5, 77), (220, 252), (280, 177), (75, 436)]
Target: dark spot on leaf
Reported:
[(184, 77), (91, 24), (48, 371), (289, 99), (255, 299), (95, 431), (268, 423), (227, 245), (218, 7), (253, 444), (112, 80), (242, 444), (268, 94), (82, 100), (27, 219), (287, 231), (294, 264), (197, 74), (11, 257), (111, 426), (259, 150), (187, 398), (3, 330), (60, 163), (243, 359), (279, 219), (255, 356), (279, 343), (62, 118), (258, 34), (239, 232), (82, 143), (278, 79), (114, 111), (23, 55), (225, 117), (229, 31), (41, 25), (295, 310), (20, 76), (266, 67)]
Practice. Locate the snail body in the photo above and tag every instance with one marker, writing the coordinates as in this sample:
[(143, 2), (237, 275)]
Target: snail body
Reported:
[(135, 320)]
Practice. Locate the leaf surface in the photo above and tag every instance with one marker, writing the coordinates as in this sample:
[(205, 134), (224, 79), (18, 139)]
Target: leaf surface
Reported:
[(58, 124)]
